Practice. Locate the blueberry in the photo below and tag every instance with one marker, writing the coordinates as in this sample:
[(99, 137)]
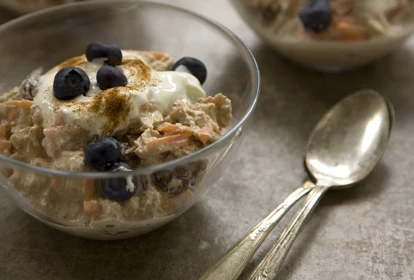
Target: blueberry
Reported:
[(112, 53), (109, 77), (122, 188), (192, 65), (316, 16), (103, 153), (70, 82)]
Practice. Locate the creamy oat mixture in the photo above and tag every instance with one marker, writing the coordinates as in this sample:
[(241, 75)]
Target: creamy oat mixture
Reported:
[(336, 20), (113, 111)]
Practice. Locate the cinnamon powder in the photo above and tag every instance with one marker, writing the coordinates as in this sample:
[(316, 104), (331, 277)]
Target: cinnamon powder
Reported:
[(113, 103)]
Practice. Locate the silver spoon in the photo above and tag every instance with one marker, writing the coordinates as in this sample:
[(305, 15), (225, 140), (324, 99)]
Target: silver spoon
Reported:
[(231, 265), (343, 149)]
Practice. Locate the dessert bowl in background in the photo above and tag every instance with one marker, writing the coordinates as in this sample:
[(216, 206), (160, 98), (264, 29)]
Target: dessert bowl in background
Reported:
[(330, 35), (46, 38)]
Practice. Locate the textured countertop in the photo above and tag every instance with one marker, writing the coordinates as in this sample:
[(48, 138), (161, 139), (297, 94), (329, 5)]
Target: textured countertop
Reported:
[(363, 233)]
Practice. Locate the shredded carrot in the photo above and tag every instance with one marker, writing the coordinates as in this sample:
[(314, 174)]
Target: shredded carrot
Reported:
[(167, 127), (171, 129), (92, 207), (5, 145), (350, 31), (158, 55), (88, 189), (22, 104), (56, 183), (204, 135), (347, 19), (212, 125), (211, 99), (173, 141), (3, 131)]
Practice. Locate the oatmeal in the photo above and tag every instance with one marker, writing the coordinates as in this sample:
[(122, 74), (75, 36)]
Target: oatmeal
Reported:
[(110, 110)]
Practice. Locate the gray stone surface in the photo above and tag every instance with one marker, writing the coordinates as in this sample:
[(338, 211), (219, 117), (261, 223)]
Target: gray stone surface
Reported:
[(363, 233)]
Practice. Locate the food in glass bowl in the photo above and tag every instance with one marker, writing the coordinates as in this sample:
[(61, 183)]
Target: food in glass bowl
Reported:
[(98, 173), (334, 34), (336, 20), (111, 110)]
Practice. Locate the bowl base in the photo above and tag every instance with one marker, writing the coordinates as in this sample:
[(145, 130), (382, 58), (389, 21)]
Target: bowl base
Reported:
[(101, 233)]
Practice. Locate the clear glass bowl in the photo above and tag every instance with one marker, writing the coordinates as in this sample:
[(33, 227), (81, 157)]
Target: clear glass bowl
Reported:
[(28, 6), (325, 55), (48, 37)]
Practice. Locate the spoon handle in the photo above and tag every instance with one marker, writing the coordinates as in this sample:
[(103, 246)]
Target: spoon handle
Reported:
[(231, 265), (270, 265)]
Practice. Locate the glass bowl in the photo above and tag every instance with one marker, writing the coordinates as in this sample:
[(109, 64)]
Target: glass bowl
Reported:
[(45, 38), (286, 35), (28, 6)]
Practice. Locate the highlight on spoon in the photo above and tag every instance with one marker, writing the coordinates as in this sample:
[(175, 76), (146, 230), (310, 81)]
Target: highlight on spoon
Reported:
[(351, 138)]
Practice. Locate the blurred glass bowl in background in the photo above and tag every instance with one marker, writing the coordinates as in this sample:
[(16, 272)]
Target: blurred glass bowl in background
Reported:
[(45, 38), (360, 32)]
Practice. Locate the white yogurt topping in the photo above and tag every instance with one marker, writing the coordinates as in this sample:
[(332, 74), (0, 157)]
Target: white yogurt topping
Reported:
[(162, 89)]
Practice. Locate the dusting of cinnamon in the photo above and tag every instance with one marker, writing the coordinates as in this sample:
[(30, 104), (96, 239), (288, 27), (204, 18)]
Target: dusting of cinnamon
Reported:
[(74, 62), (143, 71), (113, 103)]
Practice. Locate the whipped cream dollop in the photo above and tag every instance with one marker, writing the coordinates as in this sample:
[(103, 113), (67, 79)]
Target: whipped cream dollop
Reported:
[(104, 112)]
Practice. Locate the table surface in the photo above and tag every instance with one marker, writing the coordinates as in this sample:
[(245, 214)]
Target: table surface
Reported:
[(363, 233)]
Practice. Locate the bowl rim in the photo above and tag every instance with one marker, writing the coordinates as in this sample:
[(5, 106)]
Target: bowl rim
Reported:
[(245, 51)]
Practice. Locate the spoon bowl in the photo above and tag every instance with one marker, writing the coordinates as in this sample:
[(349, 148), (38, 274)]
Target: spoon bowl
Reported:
[(349, 141)]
